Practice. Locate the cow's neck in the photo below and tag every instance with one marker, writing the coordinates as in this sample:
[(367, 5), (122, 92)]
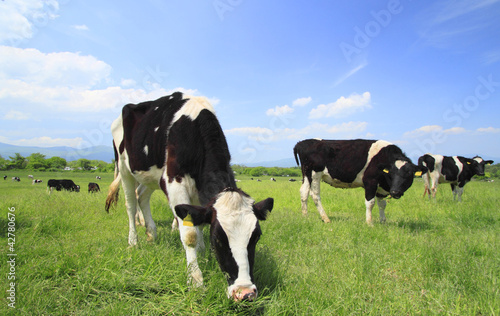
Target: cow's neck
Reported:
[(213, 182)]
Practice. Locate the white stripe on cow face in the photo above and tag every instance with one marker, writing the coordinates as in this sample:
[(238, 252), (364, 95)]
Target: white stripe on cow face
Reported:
[(235, 215), (479, 159), (400, 163)]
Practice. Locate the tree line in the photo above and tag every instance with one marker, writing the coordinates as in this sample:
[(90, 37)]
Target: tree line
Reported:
[(39, 162)]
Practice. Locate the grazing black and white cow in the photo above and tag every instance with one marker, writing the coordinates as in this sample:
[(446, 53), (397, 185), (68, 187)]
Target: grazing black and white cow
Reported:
[(378, 166), (94, 187), (16, 179), (273, 179), (455, 170), (5, 177), (176, 144), (30, 176), (35, 181), (65, 184), (97, 177)]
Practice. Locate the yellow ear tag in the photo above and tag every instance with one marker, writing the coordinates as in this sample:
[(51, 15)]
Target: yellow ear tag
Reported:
[(188, 221), (386, 170), (418, 173), (468, 162)]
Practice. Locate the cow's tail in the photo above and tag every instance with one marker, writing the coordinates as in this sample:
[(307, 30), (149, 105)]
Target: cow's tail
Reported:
[(295, 153), (114, 187)]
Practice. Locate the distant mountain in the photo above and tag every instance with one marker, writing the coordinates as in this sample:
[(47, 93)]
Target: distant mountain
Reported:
[(104, 153)]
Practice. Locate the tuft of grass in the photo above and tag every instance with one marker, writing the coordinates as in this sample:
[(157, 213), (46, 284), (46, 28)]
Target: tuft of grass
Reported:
[(430, 257)]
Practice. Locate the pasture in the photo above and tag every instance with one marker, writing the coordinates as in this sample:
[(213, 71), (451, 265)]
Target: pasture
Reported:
[(72, 258)]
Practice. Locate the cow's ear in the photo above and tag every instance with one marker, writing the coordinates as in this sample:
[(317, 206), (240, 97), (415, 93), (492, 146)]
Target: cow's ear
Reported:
[(262, 208), (193, 215), (419, 170), (489, 162)]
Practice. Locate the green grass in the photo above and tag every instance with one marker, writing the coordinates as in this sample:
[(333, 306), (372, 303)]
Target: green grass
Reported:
[(429, 258)]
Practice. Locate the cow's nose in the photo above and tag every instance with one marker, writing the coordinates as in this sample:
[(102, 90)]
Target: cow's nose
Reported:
[(245, 294), (396, 194)]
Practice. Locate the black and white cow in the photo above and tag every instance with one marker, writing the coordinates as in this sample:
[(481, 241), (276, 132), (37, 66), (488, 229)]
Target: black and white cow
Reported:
[(35, 181), (5, 177), (176, 144), (94, 187), (378, 166), (97, 177), (455, 170), (59, 185)]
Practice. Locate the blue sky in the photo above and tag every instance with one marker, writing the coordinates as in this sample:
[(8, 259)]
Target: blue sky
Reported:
[(422, 74)]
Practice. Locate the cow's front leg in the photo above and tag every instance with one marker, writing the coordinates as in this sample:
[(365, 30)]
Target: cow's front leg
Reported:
[(370, 192), (191, 236), (381, 208), (144, 195)]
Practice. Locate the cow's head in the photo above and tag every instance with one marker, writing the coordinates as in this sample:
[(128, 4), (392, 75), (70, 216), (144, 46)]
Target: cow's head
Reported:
[(76, 188), (399, 176), (234, 231), (477, 164)]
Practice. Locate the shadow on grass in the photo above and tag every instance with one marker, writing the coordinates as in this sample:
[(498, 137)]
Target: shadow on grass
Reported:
[(413, 226)]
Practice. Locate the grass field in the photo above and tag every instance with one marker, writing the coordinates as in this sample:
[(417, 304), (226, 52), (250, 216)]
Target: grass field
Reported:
[(430, 258)]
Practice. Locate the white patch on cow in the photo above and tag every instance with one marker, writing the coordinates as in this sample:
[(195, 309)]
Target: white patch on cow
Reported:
[(156, 108), (375, 148), (336, 183), (192, 108), (459, 165), (146, 150), (236, 216), (150, 178), (479, 159), (156, 129), (117, 131), (400, 163)]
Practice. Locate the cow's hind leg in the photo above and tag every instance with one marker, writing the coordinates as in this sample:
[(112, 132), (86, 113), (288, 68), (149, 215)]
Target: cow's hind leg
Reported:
[(315, 193), (144, 195), (129, 184), (304, 194)]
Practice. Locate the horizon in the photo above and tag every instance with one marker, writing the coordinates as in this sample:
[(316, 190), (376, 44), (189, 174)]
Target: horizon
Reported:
[(420, 75)]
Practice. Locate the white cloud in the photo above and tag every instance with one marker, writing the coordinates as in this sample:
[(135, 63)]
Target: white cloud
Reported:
[(248, 131), (68, 82), (434, 129), (21, 18), (302, 101), (351, 72), (45, 141), (82, 27), (315, 129), (279, 111), (16, 116), (342, 107), (490, 129)]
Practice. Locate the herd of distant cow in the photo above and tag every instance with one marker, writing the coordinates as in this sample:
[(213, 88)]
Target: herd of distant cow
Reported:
[(175, 144)]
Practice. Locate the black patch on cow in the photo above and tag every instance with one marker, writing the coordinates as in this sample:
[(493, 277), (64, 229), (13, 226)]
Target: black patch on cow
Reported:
[(449, 169), (139, 123), (430, 162)]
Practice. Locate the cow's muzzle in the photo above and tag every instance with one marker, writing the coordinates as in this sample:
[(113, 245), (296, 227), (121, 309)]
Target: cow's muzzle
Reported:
[(396, 194), (248, 294)]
